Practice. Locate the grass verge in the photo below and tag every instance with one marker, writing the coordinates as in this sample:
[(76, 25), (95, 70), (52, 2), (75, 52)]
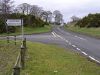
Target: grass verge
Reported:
[(88, 31), (30, 30), (51, 60), (37, 30), (8, 56)]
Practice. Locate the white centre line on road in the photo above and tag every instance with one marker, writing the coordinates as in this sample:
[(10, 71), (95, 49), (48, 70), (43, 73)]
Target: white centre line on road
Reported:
[(76, 36), (67, 41), (80, 38), (70, 43), (78, 49), (73, 45), (55, 34)]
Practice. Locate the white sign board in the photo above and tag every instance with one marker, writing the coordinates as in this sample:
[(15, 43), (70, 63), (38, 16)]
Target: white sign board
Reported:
[(14, 22)]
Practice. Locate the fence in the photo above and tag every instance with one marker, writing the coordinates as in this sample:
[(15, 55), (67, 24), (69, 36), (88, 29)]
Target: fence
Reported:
[(20, 61)]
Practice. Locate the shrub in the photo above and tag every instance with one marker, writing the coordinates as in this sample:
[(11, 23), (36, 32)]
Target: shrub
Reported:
[(92, 20), (28, 20), (2, 26)]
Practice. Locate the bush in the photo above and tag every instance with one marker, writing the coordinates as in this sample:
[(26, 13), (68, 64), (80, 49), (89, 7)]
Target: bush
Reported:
[(2, 26), (12, 29), (92, 20), (28, 20)]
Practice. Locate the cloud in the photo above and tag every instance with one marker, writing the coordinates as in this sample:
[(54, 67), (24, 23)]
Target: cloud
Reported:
[(67, 7)]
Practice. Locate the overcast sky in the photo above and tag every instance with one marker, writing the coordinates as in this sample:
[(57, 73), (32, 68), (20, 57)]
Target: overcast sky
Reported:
[(68, 8)]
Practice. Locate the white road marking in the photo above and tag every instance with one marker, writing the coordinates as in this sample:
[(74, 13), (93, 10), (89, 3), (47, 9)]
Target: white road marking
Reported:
[(76, 36), (78, 49), (53, 34), (56, 35), (69, 43), (84, 53), (94, 59), (62, 31), (80, 38), (73, 45), (91, 58), (62, 38), (59, 36)]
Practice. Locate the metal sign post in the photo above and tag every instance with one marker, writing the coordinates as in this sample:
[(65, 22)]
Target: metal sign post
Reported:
[(22, 29), (22, 32), (7, 32)]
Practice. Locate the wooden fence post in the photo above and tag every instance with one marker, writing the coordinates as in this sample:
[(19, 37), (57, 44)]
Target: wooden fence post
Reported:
[(7, 39), (24, 43), (15, 39), (16, 70), (22, 56)]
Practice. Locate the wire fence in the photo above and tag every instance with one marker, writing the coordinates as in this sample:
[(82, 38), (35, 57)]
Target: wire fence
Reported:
[(12, 56)]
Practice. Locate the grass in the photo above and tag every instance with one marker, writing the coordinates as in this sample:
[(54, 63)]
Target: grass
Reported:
[(8, 56), (37, 30), (51, 60), (89, 31), (30, 30)]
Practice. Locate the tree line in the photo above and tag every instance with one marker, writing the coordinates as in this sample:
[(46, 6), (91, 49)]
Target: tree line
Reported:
[(33, 15), (92, 20)]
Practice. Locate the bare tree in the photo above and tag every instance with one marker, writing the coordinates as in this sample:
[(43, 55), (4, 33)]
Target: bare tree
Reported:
[(16, 10), (35, 10), (24, 8), (58, 17), (49, 16), (6, 6), (46, 16)]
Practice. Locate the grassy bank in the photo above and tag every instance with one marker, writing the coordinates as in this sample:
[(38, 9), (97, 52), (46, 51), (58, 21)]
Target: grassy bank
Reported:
[(89, 31), (37, 30), (8, 56), (51, 60), (30, 30)]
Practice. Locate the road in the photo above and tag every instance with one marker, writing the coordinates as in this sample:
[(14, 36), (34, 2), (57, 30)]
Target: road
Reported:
[(88, 46)]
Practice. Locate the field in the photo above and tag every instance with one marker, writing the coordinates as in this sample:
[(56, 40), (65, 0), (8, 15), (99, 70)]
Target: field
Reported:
[(8, 56), (51, 60)]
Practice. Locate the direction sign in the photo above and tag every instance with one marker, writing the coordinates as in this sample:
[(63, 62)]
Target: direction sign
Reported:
[(14, 22)]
